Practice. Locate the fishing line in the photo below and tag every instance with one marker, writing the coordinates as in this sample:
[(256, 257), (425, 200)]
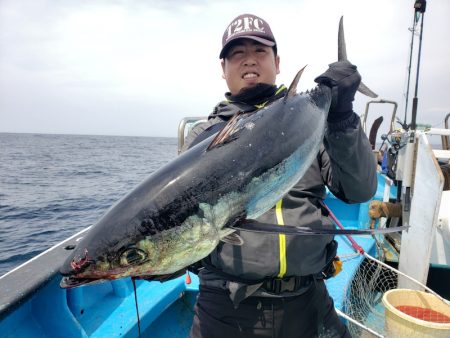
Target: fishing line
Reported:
[(137, 307)]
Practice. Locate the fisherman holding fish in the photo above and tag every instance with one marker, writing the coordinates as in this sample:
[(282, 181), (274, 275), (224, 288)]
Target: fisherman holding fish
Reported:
[(273, 284), (245, 199)]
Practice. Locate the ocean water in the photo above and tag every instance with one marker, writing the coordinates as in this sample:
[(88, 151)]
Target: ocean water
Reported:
[(52, 186)]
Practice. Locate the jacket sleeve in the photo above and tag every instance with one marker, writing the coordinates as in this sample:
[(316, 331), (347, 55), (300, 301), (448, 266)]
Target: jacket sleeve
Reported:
[(348, 166)]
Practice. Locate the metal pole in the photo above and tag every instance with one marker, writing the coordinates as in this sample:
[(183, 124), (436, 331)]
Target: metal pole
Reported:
[(445, 139), (413, 29), (419, 6)]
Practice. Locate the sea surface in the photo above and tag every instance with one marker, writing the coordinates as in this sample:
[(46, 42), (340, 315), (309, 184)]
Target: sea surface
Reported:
[(52, 186)]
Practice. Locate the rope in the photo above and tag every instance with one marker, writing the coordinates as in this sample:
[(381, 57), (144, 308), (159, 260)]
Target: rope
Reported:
[(365, 328), (406, 276)]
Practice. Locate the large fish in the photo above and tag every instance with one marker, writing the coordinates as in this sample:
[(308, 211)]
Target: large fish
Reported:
[(178, 215)]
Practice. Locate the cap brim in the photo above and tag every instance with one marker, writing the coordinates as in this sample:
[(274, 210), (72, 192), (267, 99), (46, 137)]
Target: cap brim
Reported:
[(225, 48)]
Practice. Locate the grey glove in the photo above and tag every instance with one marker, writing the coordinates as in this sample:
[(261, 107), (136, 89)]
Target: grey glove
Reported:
[(343, 79)]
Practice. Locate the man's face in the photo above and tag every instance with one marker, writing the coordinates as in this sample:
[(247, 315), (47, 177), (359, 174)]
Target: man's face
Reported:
[(248, 63)]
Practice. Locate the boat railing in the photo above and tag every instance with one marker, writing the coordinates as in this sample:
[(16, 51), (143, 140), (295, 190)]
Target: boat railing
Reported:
[(185, 126), (366, 113), (445, 138), (444, 153), (372, 134)]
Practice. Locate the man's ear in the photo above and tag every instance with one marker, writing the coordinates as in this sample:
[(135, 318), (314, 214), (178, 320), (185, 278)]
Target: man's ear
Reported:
[(277, 63), (222, 63)]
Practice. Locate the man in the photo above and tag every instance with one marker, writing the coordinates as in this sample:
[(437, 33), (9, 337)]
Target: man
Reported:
[(272, 285)]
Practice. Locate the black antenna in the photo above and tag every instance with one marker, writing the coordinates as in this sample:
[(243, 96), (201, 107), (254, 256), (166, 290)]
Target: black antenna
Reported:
[(419, 8)]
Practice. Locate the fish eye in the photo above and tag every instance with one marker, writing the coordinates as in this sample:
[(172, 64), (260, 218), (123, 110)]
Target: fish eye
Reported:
[(132, 256)]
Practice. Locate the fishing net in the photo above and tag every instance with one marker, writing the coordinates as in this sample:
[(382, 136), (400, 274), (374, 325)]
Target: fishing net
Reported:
[(363, 307), (363, 301)]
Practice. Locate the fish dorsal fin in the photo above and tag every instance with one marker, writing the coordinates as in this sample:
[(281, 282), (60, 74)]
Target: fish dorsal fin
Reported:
[(342, 56), (225, 133), (293, 87)]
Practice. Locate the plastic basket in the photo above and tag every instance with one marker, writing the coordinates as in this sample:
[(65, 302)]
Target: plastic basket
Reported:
[(411, 313)]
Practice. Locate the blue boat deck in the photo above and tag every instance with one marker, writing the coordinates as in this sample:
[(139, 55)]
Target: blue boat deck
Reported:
[(105, 310), (352, 216), (338, 286)]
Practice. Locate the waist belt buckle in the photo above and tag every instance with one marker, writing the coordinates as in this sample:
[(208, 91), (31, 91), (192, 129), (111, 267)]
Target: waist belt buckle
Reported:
[(279, 285), (276, 285)]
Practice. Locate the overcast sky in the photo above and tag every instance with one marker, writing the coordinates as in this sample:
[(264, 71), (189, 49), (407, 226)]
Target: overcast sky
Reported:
[(137, 67)]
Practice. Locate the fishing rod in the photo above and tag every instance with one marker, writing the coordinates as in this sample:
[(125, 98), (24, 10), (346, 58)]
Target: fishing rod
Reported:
[(419, 11), (413, 30), (406, 158)]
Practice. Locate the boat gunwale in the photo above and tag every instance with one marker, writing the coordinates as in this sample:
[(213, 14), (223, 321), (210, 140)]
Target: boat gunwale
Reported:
[(20, 284)]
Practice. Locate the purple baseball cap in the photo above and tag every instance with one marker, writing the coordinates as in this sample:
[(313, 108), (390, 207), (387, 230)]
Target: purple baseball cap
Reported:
[(247, 26)]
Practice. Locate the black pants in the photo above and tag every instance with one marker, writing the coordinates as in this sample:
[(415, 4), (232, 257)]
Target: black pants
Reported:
[(311, 314)]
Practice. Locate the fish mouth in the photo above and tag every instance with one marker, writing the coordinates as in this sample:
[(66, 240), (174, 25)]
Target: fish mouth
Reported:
[(73, 282), (72, 278)]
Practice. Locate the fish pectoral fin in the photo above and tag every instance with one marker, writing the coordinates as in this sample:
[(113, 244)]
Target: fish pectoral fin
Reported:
[(308, 231), (230, 236), (233, 239)]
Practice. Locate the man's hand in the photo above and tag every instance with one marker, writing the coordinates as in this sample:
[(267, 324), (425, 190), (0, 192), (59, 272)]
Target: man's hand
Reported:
[(343, 79)]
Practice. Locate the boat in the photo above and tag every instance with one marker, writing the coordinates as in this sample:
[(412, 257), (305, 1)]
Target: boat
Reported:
[(412, 175)]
